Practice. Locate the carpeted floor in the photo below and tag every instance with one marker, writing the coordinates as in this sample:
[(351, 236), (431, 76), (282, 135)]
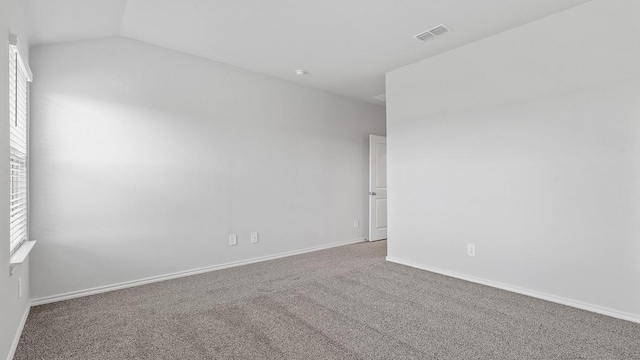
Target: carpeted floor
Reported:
[(342, 303)]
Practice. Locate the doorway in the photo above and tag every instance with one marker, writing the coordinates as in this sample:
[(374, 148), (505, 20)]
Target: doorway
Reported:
[(377, 187)]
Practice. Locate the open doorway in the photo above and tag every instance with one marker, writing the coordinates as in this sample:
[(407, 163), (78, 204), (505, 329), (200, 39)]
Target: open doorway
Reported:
[(377, 187)]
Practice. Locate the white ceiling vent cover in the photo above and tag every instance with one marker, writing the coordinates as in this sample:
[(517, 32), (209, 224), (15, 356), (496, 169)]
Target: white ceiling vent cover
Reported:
[(424, 36), (432, 33), (382, 97)]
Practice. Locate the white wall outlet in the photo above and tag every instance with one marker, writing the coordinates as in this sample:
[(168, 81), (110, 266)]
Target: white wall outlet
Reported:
[(471, 249), (254, 237), (19, 288), (356, 223), (233, 239)]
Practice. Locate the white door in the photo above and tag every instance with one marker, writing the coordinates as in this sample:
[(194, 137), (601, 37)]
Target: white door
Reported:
[(377, 187)]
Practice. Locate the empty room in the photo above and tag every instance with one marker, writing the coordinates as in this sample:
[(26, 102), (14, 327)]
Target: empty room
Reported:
[(320, 179)]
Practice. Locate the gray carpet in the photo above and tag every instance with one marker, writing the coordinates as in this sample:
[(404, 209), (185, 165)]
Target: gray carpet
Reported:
[(342, 303)]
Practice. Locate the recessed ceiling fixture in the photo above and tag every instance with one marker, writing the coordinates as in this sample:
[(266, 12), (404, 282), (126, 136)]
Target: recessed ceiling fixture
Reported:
[(301, 72), (382, 97), (432, 33)]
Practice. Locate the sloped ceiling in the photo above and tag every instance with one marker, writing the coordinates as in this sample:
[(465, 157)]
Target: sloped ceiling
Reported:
[(346, 46)]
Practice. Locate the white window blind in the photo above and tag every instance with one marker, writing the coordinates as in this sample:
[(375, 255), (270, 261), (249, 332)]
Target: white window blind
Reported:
[(19, 78)]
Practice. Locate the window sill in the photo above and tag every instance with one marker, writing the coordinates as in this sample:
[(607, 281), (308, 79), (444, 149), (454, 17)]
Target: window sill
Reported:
[(20, 256)]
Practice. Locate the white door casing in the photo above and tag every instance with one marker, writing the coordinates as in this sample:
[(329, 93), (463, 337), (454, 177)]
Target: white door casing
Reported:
[(377, 187)]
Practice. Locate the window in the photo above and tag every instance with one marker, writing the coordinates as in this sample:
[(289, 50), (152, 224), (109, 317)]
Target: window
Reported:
[(19, 78)]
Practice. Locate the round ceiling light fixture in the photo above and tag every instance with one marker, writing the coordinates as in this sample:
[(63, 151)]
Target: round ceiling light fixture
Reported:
[(301, 72)]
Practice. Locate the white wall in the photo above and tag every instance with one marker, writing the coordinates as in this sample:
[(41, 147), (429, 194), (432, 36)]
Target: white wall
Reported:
[(144, 160), (19, 25), (526, 144), (12, 307)]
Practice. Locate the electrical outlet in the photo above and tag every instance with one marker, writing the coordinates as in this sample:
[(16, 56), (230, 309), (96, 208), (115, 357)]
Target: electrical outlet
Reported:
[(356, 223), (254, 237), (19, 288), (471, 249), (233, 239)]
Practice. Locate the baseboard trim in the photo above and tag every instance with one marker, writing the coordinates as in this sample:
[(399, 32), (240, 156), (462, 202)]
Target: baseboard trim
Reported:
[(154, 279), (16, 338), (536, 294)]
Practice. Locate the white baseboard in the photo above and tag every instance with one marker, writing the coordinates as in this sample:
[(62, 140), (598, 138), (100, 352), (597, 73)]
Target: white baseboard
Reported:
[(149, 280), (556, 299), (16, 338)]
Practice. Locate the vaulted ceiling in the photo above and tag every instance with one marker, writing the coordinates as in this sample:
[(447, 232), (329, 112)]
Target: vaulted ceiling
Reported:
[(346, 45)]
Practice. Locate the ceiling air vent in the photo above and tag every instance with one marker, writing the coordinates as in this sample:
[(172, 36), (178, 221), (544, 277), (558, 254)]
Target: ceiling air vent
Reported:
[(432, 33), (382, 97), (425, 36)]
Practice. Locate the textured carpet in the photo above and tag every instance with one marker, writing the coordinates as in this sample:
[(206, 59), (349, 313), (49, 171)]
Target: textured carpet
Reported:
[(342, 303)]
